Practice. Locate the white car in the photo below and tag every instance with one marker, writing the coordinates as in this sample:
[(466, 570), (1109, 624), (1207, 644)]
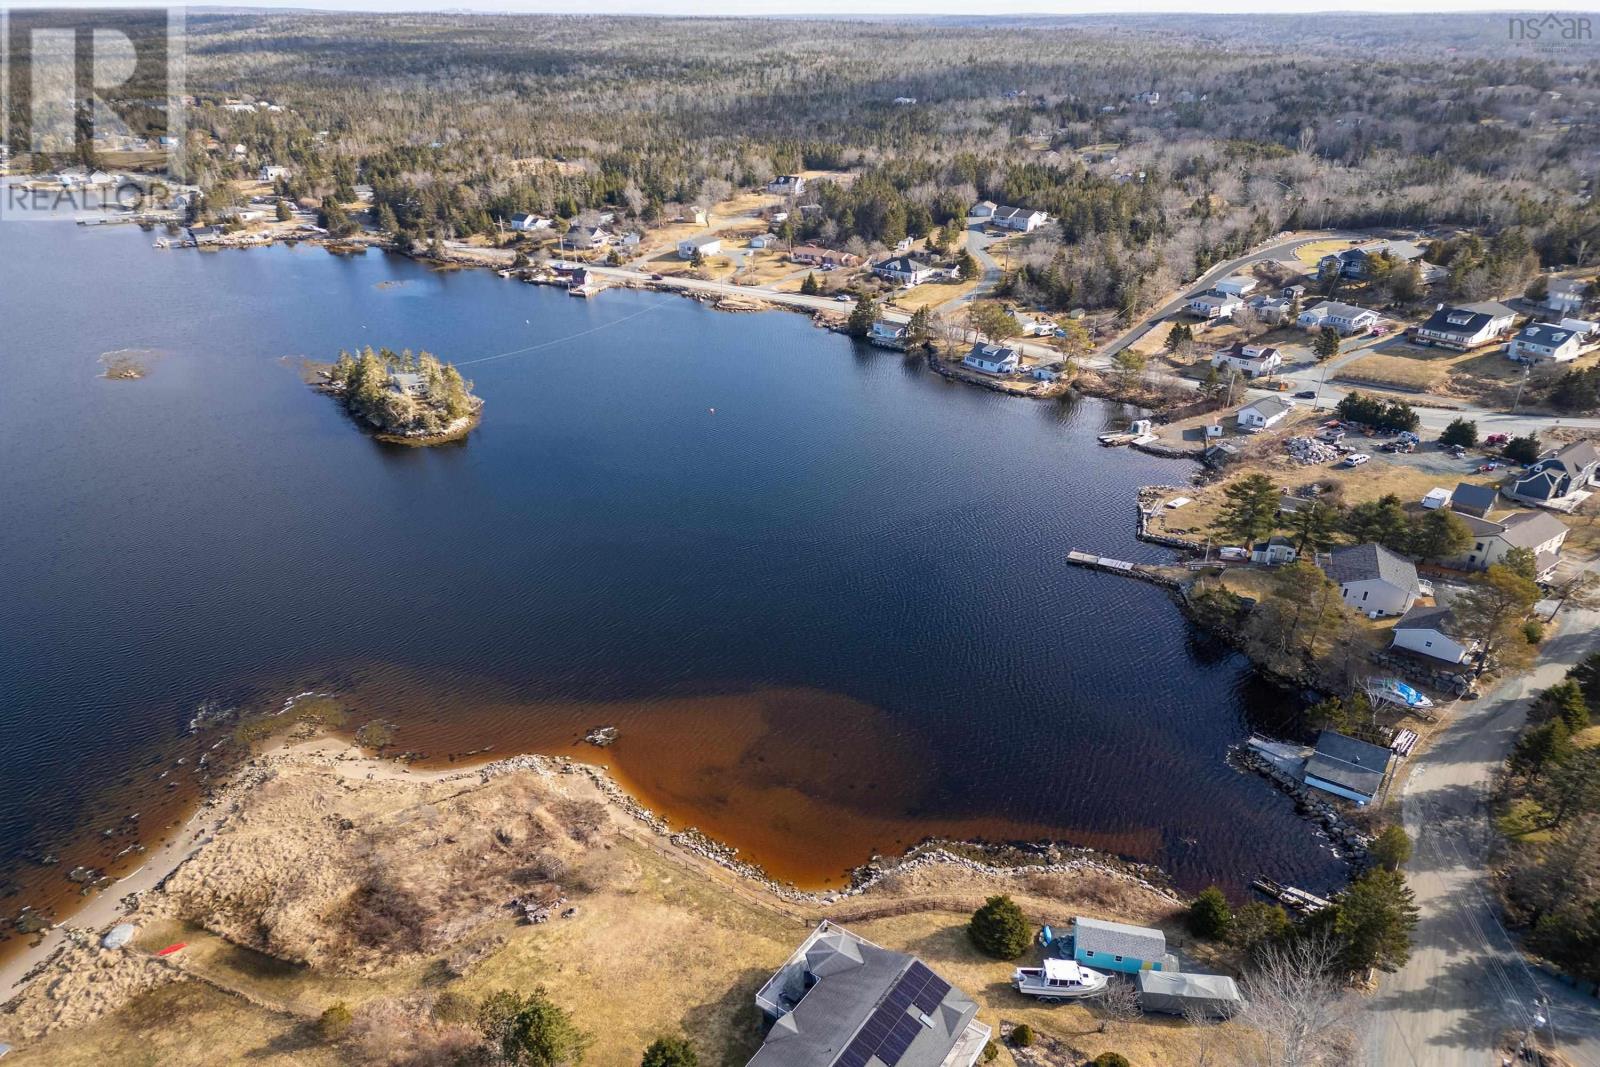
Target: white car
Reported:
[(1356, 459)]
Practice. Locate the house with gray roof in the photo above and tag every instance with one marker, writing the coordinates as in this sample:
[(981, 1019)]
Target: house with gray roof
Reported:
[(1565, 296), (1469, 499), (1539, 532), (1433, 630), (1112, 946), (1542, 342), (1558, 476), (842, 1001), (1373, 580), (1346, 318), (1347, 767), (1263, 414), (1356, 262), (1467, 326)]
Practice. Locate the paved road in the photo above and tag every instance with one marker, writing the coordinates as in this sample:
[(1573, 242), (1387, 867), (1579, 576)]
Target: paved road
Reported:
[(1465, 984)]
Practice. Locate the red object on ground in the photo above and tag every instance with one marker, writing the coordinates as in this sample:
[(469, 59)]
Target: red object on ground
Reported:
[(170, 949)]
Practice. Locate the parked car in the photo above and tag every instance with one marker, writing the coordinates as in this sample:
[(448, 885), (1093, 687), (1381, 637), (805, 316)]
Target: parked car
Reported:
[(1496, 439), (843, 298), (1356, 459), (1306, 394), (658, 277)]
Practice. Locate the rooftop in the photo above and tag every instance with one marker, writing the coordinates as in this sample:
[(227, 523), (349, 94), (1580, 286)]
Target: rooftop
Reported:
[(1361, 563), (1119, 939), (1346, 761)]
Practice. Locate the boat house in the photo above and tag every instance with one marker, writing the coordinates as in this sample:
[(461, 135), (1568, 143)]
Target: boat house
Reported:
[(1118, 946), (841, 1001), (1210, 995), (1347, 767)]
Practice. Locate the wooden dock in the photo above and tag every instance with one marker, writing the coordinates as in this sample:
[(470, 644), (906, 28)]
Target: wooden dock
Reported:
[(1295, 899), (1142, 571)]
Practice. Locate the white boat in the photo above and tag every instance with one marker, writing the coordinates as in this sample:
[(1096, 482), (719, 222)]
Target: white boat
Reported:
[(1058, 980)]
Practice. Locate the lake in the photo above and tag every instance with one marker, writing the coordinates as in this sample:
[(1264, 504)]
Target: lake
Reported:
[(820, 590)]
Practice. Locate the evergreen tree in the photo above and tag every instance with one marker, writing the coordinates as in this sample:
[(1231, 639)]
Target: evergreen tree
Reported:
[(1315, 526), (1374, 919), (531, 1031), (1461, 431), (999, 929), (1326, 346), (1210, 916), (1391, 848), (1439, 534), (862, 316), (809, 286), (919, 331), (670, 1052), (1250, 509)]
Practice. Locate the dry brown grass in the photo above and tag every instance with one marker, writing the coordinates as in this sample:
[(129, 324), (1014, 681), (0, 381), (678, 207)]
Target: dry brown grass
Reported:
[(1402, 371)]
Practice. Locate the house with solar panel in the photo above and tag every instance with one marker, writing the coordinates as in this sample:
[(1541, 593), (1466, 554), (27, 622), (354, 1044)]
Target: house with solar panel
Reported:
[(1120, 947), (841, 1001)]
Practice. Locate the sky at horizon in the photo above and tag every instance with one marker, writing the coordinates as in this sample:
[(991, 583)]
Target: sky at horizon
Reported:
[(869, 8)]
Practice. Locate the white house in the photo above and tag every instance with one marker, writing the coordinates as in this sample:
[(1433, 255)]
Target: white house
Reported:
[(1215, 305), (983, 209), (1236, 284), (1346, 318), (1432, 630), (763, 240), (705, 246), (786, 185), (1264, 413), (578, 236), (1465, 327), (905, 270), (992, 359), (1373, 580), (1249, 360), (887, 334), (1537, 531), (526, 223), (1540, 342), (1274, 550), (1565, 296), (1033, 325), (1018, 218), (269, 173)]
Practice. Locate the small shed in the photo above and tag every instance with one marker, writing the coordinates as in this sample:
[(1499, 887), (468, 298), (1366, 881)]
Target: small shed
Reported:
[(1211, 995), (1436, 498)]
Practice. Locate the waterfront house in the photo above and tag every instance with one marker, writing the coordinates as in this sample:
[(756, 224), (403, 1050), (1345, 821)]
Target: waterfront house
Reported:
[(1250, 360), (205, 235), (407, 383), (1264, 413), (1214, 304), (1565, 296), (886, 334), (1236, 284), (579, 236), (526, 223), (705, 246), (1274, 551), (905, 270), (1469, 499), (1432, 630), (1114, 946), (817, 256), (1214, 996), (983, 209), (1047, 372), (1537, 531), (842, 1001), (1555, 478), (1020, 219), (1541, 342), (992, 359), (1347, 767), (1373, 580), (1346, 318), (786, 185), (1465, 327)]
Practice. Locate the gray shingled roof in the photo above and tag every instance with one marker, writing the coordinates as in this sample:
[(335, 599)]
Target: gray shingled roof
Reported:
[(1346, 761), (1269, 406), (1577, 455), (1362, 563), (1118, 939), (1529, 528), (1475, 497), (1428, 617)]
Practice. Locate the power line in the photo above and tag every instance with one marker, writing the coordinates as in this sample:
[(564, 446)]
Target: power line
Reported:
[(556, 341)]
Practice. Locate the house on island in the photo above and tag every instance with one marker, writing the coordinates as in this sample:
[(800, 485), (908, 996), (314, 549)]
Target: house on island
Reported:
[(1373, 580), (1214, 305), (1346, 318), (1469, 499), (1275, 550), (1212, 996), (1114, 946), (886, 334), (704, 246), (1466, 327), (1347, 767), (1541, 342), (527, 223), (786, 185), (1020, 219), (906, 270), (842, 1001), (1433, 630), (992, 359), (1557, 478), (407, 383), (817, 256), (1263, 414), (1539, 532), (1250, 360), (1565, 296)]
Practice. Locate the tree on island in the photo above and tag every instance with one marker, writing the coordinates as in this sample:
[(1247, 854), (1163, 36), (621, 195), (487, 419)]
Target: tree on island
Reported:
[(369, 383), (999, 929)]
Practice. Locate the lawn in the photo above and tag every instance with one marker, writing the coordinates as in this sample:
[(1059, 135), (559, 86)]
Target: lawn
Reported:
[(1399, 371), (932, 294), (1312, 253)]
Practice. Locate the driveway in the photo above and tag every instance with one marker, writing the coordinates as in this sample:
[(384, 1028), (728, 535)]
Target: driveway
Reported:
[(1466, 984)]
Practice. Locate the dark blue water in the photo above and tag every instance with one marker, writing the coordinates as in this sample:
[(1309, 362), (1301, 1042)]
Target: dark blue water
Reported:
[(833, 615)]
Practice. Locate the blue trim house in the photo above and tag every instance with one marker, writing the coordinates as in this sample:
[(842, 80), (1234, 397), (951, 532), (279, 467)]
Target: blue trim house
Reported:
[(1347, 767), (1109, 946)]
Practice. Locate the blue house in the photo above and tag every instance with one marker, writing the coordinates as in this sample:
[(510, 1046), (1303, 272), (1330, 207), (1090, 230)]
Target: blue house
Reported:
[(1109, 946)]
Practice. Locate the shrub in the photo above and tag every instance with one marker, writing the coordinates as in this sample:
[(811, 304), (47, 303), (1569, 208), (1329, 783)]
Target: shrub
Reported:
[(1111, 1059), (1210, 916), (334, 1021), (999, 929), (1523, 449), (1462, 432), (1391, 848), (1533, 631), (670, 1052), (991, 1051), (1022, 1036)]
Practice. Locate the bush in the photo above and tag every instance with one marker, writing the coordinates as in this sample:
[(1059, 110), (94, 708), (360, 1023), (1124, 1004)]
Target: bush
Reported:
[(334, 1021), (1533, 631), (1389, 415), (1022, 1036), (1210, 916), (1524, 449), (999, 929), (1110, 1059), (1462, 432), (991, 1052), (670, 1052)]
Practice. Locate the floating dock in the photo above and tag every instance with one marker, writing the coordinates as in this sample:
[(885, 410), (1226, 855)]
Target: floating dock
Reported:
[(1290, 897)]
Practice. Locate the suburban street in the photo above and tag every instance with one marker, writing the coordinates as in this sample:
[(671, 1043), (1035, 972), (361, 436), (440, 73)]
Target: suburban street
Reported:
[(1466, 985)]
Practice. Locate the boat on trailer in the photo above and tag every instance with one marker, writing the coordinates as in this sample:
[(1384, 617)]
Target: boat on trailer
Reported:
[(1058, 980)]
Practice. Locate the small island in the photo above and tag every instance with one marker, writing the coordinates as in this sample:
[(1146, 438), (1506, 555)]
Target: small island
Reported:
[(409, 399)]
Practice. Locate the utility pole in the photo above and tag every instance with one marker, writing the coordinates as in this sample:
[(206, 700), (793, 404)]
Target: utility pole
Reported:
[(1527, 369)]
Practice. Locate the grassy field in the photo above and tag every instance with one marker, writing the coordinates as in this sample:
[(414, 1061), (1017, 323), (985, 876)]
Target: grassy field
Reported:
[(1312, 253), (1401, 371), (932, 294)]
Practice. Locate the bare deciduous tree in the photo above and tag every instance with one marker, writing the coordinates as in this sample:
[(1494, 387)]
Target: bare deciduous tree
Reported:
[(1298, 1006)]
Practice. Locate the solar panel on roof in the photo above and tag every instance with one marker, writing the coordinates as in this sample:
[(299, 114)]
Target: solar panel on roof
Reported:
[(853, 1057)]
